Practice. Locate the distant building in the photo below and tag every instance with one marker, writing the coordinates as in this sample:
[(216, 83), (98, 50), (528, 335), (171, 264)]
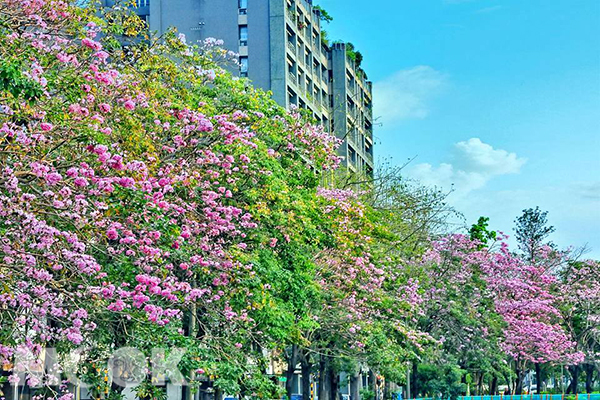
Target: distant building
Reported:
[(280, 48)]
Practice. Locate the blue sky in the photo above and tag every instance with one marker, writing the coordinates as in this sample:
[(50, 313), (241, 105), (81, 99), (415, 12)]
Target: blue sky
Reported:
[(499, 97)]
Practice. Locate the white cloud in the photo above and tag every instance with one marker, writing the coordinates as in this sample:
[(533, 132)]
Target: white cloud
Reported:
[(476, 156), (473, 164), (587, 190), (405, 94)]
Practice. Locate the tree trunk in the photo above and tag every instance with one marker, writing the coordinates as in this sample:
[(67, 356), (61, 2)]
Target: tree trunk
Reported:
[(334, 385), (218, 394), (575, 387), (415, 376), (480, 384), (324, 380), (408, 389), (589, 377), (373, 384), (538, 377), (519, 379), (508, 383), (306, 370), (574, 371), (494, 386), (190, 327), (289, 373), (354, 381)]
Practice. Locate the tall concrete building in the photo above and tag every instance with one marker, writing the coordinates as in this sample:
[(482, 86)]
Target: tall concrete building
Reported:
[(280, 48)]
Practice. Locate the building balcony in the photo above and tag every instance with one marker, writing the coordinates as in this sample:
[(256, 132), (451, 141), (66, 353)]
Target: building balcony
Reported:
[(292, 78), (291, 47), (307, 5), (301, 90), (351, 92), (291, 15)]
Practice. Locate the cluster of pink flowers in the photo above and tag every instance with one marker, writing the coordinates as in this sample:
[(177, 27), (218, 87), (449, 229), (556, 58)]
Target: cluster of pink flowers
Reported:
[(522, 294), (97, 223)]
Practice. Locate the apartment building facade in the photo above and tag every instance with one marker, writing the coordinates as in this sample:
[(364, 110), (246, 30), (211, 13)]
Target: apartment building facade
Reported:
[(280, 49)]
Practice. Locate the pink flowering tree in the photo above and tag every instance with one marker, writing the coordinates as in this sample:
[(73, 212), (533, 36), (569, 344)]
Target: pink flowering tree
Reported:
[(136, 195), (367, 298), (580, 307), (148, 199), (527, 300), (523, 295), (458, 312)]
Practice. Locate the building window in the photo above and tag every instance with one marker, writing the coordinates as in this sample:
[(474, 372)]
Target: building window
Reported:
[(145, 18), (244, 35), (352, 155), (292, 97), (143, 3), (243, 66), (243, 6)]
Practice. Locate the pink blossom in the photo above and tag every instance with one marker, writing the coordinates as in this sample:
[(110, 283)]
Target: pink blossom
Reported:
[(118, 305), (126, 182), (53, 178), (129, 105), (112, 234), (92, 44), (104, 107), (102, 55)]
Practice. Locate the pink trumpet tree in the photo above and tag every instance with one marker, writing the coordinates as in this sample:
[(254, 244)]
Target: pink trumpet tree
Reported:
[(525, 296)]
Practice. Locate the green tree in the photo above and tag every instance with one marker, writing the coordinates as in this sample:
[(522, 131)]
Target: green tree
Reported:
[(532, 230), (481, 233), (323, 14), (441, 381)]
